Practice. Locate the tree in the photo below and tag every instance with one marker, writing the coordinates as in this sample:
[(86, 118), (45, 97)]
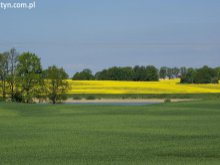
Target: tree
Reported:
[(102, 75), (163, 72), (151, 73), (202, 75), (115, 73), (127, 73), (29, 72), (56, 83), (172, 72), (139, 73), (206, 75), (188, 76), (12, 65), (86, 74), (218, 72), (175, 72), (8, 62), (169, 73), (183, 71), (3, 73), (41, 90)]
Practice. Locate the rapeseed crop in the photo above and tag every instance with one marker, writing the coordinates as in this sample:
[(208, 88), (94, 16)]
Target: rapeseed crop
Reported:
[(172, 86)]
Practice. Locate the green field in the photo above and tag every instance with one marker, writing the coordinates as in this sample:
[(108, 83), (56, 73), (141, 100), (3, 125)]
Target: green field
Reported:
[(166, 134)]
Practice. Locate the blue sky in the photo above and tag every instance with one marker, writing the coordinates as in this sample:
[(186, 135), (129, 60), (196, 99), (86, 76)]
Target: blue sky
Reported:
[(97, 34)]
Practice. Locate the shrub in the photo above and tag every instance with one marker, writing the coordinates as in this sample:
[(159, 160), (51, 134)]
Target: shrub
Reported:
[(91, 97), (18, 97), (167, 100), (77, 98)]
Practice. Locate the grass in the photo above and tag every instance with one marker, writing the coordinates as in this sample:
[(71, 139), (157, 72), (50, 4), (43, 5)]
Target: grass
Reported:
[(166, 134)]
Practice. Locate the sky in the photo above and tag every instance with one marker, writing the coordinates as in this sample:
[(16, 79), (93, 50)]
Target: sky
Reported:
[(98, 34)]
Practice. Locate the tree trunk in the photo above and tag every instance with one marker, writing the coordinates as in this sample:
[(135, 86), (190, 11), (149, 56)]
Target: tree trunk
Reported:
[(3, 90), (4, 95), (54, 101)]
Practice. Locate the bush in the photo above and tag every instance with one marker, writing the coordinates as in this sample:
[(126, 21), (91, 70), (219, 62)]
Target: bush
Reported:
[(91, 97), (18, 97), (77, 98), (167, 100)]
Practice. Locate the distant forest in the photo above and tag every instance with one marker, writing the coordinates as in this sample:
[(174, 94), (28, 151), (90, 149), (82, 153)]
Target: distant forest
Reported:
[(151, 73)]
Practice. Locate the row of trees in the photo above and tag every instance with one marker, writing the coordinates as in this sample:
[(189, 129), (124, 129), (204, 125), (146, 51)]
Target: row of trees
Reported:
[(201, 76), (167, 72), (137, 73), (22, 79), (151, 73)]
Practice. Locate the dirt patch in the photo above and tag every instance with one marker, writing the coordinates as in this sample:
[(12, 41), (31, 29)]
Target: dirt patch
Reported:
[(125, 100)]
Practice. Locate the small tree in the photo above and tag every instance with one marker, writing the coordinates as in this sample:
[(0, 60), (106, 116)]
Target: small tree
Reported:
[(175, 72), (29, 72), (206, 75), (183, 71), (218, 72), (152, 73), (12, 65), (3, 73), (56, 83), (202, 75), (139, 73), (188, 76), (163, 72), (86, 74), (169, 73)]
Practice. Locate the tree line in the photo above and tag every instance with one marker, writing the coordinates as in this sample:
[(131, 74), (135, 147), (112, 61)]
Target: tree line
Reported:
[(151, 73), (22, 79), (137, 73)]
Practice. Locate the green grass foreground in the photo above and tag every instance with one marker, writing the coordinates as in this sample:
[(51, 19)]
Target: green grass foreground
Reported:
[(166, 134)]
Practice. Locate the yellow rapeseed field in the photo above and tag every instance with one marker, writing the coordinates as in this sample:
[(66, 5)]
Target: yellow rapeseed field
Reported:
[(130, 87)]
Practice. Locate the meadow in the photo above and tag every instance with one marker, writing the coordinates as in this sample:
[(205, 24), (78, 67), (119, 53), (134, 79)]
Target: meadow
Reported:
[(166, 134), (172, 86)]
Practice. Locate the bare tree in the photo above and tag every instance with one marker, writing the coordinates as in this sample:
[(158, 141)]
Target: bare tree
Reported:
[(11, 79), (3, 73)]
